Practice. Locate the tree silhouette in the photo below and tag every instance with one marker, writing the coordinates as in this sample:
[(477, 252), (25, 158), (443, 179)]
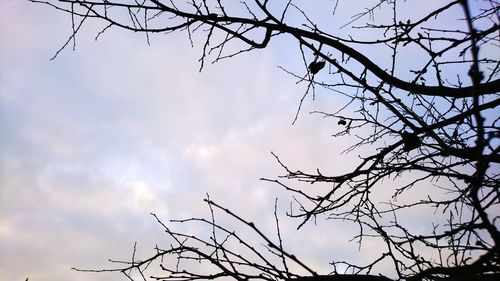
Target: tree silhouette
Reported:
[(433, 124)]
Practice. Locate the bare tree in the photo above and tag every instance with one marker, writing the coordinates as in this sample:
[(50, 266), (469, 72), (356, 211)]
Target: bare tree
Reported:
[(435, 123)]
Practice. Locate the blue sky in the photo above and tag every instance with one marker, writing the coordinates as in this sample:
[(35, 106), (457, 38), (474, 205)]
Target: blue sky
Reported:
[(95, 140)]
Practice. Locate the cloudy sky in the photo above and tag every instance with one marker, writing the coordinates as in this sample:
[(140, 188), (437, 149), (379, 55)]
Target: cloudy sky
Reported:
[(95, 140)]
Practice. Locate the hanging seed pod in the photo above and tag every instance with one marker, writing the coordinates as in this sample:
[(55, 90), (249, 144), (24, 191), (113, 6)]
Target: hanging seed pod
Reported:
[(316, 66), (410, 141)]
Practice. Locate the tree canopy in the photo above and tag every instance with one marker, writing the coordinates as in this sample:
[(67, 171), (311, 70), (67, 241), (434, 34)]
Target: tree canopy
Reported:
[(430, 124)]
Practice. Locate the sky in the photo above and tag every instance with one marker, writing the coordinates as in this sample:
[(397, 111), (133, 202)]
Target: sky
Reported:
[(94, 141)]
